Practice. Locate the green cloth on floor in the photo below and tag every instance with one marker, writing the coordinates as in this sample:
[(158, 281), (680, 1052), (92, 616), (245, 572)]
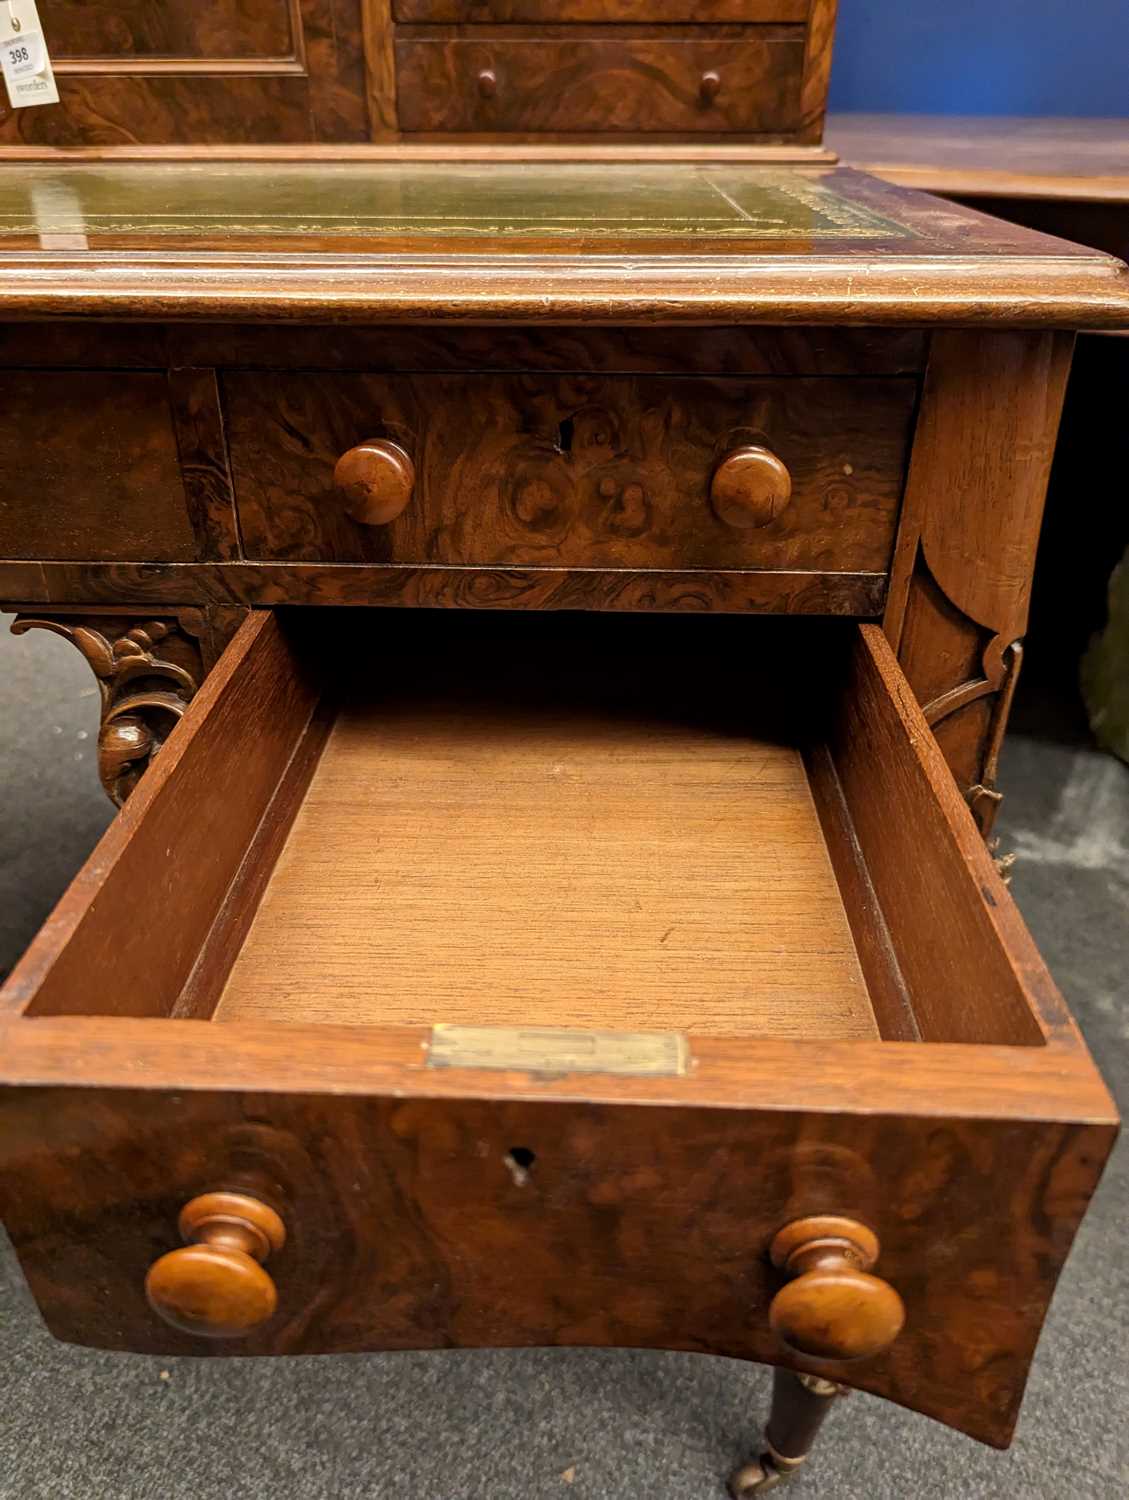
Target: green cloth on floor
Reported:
[(1105, 670)]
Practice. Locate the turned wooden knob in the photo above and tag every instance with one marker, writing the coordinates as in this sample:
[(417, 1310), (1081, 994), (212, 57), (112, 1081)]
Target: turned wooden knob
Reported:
[(832, 1309), (487, 83), (376, 478), (216, 1285), (750, 487), (710, 86)]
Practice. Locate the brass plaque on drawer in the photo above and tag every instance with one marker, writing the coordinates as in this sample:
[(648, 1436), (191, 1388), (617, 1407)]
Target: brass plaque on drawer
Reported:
[(558, 1050)]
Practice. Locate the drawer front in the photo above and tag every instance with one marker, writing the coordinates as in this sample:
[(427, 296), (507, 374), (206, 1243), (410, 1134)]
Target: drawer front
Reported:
[(667, 12), (634, 1227), (748, 82), (89, 468), (575, 471)]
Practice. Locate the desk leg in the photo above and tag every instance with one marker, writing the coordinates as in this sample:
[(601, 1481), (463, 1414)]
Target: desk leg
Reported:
[(799, 1405), (961, 575), (148, 669)]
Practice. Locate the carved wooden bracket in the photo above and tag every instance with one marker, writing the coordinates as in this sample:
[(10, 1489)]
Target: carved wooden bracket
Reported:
[(1001, 673), (147, 672)]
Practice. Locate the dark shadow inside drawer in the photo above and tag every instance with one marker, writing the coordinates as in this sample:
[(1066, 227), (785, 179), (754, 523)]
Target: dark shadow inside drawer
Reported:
[(725, 826)]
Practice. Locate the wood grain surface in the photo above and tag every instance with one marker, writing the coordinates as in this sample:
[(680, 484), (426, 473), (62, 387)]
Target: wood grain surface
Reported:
[(88, 467), (637, 1227), (280, 71), (549, 80), (924, 855), (818, 47), (607, 12), (719, 351), (268, 584), (204, 471), (961, 579), (1085, 160), (573, 471), (151, 29), (932, 263), (617, 289), (625, 871), (176, 846)]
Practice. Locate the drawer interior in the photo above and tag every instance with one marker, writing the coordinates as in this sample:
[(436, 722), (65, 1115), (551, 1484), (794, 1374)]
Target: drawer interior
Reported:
[(720, 825), (584, 855)]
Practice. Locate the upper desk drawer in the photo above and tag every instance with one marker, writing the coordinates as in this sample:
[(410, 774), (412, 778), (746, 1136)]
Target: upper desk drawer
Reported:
[(668, 12), (569, 471), (735, 80)]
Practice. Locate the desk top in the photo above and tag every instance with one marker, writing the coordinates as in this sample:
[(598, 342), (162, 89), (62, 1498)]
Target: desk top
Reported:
[(972, 156), (598, 242)]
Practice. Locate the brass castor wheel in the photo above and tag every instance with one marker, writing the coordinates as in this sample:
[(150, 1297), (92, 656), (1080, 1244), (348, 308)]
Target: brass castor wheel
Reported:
[(756, 1478)]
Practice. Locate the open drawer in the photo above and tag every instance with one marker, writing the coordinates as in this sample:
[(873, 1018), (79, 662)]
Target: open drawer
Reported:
[(530, 976)]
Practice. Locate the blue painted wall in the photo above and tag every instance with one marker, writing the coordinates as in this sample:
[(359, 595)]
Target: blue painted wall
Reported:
[(983, 57)]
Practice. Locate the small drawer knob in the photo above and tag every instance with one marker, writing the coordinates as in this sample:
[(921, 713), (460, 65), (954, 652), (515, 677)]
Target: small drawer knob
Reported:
[(710, 86), (832, 1308), (216, 1285), (487, 83), (750, 487), (376, 478)]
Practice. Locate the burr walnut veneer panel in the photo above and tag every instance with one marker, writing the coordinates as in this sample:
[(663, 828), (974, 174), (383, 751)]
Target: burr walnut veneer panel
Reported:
[(570, 471), (556, 81), (667, 12), (158, 30), (229, 71)]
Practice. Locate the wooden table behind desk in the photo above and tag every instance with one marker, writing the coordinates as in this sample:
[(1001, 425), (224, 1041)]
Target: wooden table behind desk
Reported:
[(1063, 176)]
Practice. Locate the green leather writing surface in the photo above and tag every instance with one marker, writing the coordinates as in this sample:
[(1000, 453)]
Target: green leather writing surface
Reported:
[(393, 201)]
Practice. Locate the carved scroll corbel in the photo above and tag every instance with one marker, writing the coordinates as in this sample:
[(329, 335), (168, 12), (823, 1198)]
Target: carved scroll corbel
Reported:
[(147, 672), (1001, 666)]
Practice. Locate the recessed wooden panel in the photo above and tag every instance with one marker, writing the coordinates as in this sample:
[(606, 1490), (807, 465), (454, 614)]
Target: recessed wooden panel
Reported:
[(592, 82), (274, 72), (569, 471), (160, 29), (88, 468)]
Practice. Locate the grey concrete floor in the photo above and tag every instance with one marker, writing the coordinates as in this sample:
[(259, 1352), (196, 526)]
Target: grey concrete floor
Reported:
[(571, 1423)]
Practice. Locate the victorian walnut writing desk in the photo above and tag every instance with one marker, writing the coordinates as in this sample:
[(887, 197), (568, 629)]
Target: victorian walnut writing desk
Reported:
[(598, 943)]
